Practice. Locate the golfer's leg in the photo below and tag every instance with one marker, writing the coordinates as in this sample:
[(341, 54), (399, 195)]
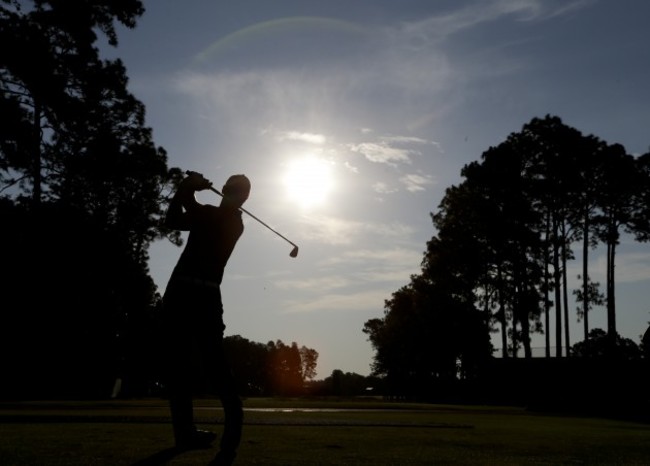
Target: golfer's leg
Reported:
[(226, 387), (234, 415), (180, 407), (176, 352), (180, 402)]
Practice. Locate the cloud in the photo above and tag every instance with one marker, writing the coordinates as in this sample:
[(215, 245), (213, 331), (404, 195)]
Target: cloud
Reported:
[(383, 188), (250, 100), (301, 137), (405, 139), (338, 231), (407, 67), (359, 301), (382, 153), (371, 268), (390, 149), (439, 27), (391, 230), (317, 284), (389, 275), (561, 8), (394, 256), (415, 182), (376, 274), (330, 230), (350, 167)]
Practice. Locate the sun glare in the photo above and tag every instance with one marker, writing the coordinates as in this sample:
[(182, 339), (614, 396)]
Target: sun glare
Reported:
[(308, 181)]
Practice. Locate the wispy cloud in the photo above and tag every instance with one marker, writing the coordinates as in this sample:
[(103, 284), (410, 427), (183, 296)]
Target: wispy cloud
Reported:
[(390, 150), (316, 284), (561, 8), (389, 230), (337, 231), (382, 153), (384, 268), (394, 256), (440, 27), (256, 99), (408, 64), (383, 188), (333, 302), (301, 137), (405, 139), (330, 230), (399, 276), (415, 182), (350, 167)]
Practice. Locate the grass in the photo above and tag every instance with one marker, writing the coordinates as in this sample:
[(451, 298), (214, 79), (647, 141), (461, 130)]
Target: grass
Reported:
[(366, 432)]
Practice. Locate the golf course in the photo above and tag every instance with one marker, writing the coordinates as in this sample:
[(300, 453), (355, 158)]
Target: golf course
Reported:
[(307, 431)]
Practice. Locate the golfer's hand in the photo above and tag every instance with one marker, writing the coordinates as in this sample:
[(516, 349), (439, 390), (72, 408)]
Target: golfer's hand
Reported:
[(195, 182)]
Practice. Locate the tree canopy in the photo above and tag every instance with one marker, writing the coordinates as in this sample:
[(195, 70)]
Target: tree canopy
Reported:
[(83, 187), (498, 260)]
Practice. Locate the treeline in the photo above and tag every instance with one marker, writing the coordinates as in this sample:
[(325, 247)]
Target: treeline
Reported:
[(499, 259), (271, 369), (278, 369), (260, 369)]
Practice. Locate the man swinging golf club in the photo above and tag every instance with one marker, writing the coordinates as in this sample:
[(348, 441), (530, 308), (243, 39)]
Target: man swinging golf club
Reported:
[(193, 311)]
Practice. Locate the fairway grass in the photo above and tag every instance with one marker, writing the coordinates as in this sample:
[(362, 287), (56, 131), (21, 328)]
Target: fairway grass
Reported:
[(317, 432)]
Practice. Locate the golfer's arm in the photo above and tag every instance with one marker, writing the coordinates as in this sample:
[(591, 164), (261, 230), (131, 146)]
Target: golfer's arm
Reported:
[(180, 207)]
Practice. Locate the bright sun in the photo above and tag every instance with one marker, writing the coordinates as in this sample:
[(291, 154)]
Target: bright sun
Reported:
[(308, 181)]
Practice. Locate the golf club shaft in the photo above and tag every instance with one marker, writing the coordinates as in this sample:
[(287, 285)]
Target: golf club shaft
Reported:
[(253, 216), (294, 253)]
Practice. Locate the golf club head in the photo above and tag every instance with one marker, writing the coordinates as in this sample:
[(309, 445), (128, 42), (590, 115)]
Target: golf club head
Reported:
[(294, 252)]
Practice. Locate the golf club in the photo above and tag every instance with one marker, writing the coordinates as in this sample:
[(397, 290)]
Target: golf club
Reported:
[(294, 251)]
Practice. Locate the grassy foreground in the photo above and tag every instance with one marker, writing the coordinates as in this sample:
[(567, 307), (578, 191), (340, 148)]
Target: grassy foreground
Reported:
[(317, 432)]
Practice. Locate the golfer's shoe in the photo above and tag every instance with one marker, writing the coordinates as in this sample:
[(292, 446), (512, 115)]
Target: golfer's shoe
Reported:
[(195, 440)]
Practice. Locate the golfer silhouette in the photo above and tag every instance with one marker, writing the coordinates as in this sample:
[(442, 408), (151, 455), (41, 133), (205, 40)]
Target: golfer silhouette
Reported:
[(193, 324)]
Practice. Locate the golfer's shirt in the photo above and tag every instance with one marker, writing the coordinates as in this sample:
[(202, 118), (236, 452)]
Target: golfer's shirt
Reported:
[(214, 231)]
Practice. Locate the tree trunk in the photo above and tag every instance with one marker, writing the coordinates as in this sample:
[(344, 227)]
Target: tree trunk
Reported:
[(516, 313), (525, 327), (611, 301), (502, 318), (513, 336), (585, 273), (547, 290), (36, 156), (567, 342), (611, 305), (558, 295)]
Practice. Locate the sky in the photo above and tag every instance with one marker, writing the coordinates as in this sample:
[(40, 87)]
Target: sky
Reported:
[(351, 118)]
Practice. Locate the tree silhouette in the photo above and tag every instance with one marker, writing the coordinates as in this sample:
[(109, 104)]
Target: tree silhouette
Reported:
[(598, 346), (503, 242), (618, 205), (427, 337), (84, 186), (270, 369)]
